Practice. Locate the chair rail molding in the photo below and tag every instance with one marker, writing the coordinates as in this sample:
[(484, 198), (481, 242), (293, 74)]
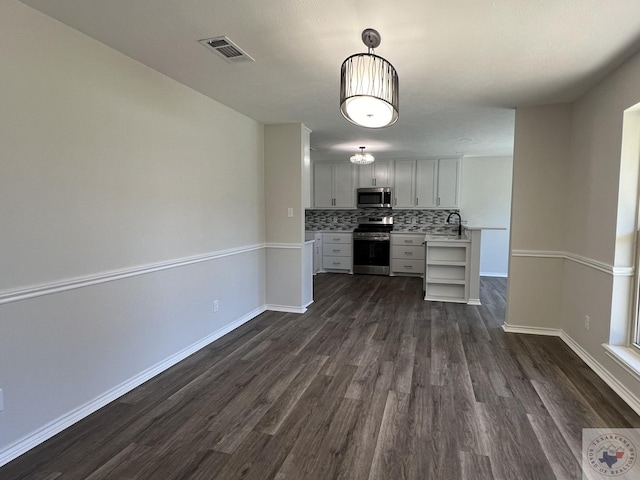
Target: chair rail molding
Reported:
[(103, 277), (588, 262)]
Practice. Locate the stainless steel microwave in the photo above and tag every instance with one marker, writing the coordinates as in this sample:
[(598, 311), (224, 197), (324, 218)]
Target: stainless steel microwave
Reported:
[(374, 197)]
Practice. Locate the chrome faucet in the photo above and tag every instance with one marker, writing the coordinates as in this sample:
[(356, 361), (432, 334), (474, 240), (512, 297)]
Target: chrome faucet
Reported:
[(459, 222)]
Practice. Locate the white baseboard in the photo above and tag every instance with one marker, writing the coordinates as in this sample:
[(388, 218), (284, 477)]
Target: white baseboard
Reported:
[(629, 398), (552, 332), (53, 428), (603, 373), (286, 308)]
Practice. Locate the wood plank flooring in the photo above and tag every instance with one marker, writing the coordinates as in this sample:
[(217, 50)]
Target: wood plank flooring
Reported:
[(372, 383)]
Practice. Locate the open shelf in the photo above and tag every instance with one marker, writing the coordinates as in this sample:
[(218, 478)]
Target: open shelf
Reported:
[(443, 262), (446, 292), (447, 272)]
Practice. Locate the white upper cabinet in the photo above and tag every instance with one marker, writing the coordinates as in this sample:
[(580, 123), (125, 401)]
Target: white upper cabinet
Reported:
[(333, 185), (448, 183), (322, 185), (403, 192), (426, 183), (377, 174), (431, 183)]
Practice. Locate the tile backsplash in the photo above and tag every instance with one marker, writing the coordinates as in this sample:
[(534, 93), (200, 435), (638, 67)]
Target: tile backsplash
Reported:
[(403, 220)]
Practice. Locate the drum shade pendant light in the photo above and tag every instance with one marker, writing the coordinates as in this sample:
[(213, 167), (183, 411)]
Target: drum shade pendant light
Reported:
[(362, 158), (369, 87)]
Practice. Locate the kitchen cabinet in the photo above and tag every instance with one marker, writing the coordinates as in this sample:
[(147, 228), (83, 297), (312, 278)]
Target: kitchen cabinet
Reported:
[(337, 251), (446, 276), (407, 254), (317, 253), (448, 183), (377, 174), (427, 183), (404, 185), (333, 185), (316, 249)]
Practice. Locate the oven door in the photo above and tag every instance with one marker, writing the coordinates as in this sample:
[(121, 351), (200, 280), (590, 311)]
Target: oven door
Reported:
[(371, 256)]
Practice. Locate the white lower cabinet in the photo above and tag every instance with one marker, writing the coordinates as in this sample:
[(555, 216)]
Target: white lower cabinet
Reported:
[(447, 271), (337, 251), (317, 253), (407, 254)]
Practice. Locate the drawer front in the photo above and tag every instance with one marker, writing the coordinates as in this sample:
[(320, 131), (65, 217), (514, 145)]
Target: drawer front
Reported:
[(410, 252), (407, 266), (398, 239), (336, 238), (336, 249), (336, 263)]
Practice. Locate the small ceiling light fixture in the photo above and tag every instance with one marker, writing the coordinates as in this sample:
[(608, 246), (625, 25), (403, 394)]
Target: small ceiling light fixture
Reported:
[(362, 158), (369, 87)]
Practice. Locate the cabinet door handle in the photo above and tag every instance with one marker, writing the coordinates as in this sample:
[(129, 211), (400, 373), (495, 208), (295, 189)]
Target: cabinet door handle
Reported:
[(336, 249), (416, 201), (336, 239), (408, 241), (408, 253), (438, 201), (336, 263), (374, 182), (408, 267)]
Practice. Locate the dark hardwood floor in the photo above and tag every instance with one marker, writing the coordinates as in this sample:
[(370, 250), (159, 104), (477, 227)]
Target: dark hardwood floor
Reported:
[(371, 383)]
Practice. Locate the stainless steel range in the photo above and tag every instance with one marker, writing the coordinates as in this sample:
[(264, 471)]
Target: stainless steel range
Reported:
[(371, 245)]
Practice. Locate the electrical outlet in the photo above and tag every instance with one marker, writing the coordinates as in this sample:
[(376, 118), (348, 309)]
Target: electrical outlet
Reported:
[(289, 212), (1, 401), (587, 321), (216, 306)]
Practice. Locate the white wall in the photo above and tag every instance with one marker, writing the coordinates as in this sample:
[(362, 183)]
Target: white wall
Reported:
[(485, 200), (580, 239), (538, 215), (121, 181), (603, 202), (285, 158)]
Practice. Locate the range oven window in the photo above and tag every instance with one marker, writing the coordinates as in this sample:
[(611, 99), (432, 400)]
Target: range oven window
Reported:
[(371, 253)]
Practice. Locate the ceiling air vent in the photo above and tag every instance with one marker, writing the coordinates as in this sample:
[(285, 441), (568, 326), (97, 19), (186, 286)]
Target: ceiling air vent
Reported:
[(228, 50)]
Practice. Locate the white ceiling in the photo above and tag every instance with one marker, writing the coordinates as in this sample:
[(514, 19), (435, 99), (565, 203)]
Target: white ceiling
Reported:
[(463, 64)]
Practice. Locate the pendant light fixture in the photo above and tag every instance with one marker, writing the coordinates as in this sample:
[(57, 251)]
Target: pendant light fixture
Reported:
[(362, 158), (369, 87)]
